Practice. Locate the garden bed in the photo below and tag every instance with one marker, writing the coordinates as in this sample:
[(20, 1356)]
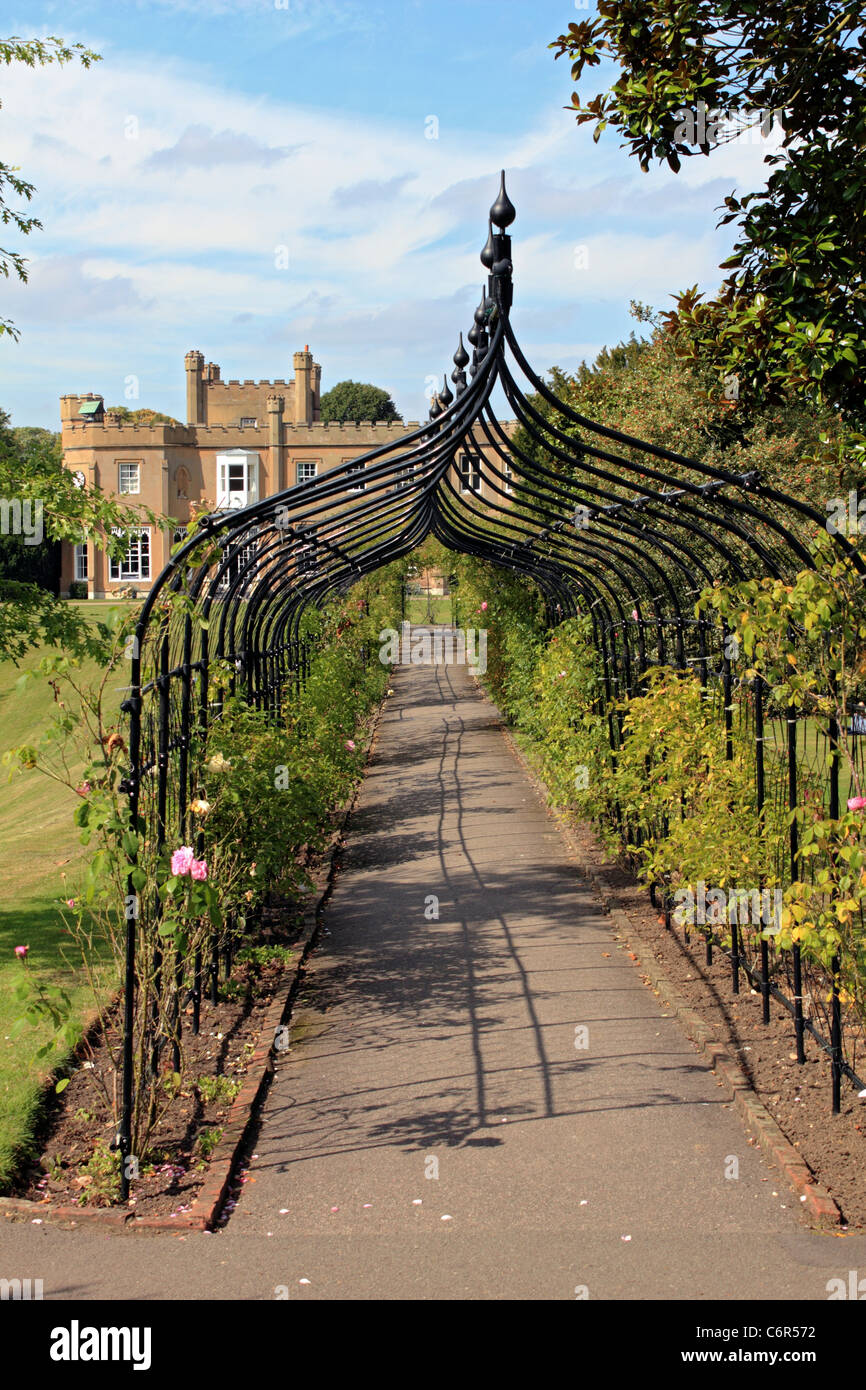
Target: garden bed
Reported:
[(76, 1167), (797, 1096)]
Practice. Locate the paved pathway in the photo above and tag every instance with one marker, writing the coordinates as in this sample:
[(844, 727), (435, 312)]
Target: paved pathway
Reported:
[(433, 1131)]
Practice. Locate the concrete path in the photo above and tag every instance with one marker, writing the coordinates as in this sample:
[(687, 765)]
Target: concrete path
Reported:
[(486, 1105)]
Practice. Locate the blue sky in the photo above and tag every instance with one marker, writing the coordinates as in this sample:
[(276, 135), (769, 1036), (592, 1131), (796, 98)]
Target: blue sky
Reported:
[(247, 176)]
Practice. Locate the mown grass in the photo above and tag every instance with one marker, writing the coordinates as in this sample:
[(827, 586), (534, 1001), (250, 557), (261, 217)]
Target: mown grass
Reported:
[(38, 845), (424, 610), (813, 747)]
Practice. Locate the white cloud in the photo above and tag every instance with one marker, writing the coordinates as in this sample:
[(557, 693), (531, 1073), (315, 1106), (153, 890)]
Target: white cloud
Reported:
[(199, 147), (65, 289), (166, 200)]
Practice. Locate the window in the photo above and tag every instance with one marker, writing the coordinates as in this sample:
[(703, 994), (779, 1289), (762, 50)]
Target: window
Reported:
[(470, 473), (248, 420), (241, 566), (306, 556), (506, 469), (136, 562), (237, 479), (406, 476), (128, 477), (81, 563), (355, 468), (306, 470)]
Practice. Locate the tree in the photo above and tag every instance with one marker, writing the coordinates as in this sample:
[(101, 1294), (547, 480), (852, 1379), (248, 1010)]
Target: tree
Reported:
[(356, 401), (38, 451), (792, 316), (35, 53), (644, 388), (142, 416), (42, 504)]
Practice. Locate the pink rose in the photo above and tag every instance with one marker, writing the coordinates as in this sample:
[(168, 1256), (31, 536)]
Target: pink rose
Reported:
[(70, 902), (182, 861), (198, 869), (21, 952), (634, 614), (484, 608), (350, 744), (857, 803)]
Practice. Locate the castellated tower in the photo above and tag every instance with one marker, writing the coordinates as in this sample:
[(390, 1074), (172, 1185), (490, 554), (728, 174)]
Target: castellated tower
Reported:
[(303, 364), (317, 392), (195, 407), (276, 440)]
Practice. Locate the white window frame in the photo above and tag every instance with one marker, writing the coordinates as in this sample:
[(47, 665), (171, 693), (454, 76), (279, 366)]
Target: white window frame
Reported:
[(128, 491), (81, 563), (248, 421), (355, 468), (239, 562), (237, 466), (470, 473), (302, 466), (307, 554), (508, 474), (138, 557)]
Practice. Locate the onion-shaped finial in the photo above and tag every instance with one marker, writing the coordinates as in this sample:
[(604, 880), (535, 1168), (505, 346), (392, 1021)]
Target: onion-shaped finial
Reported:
[(503, 211), (488, 255)]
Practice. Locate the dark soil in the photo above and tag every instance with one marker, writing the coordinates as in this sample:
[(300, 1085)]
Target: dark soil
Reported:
[(798, 1097), (76, 1167)]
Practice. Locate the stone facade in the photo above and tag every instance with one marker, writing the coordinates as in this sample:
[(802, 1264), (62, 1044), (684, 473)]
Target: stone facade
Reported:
[(243, 440)]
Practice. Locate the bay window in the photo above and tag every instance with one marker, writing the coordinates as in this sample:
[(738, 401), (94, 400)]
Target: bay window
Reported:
[(237, 479)]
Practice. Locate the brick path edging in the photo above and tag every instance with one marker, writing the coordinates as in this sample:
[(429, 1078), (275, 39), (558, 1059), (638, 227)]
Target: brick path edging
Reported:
[(814, 1198), (205, 1207)]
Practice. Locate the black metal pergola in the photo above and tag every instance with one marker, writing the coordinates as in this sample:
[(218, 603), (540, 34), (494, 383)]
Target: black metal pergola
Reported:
[(603, 523)]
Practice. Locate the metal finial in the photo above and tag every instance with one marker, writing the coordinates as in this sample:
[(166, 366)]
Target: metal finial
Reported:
[(488, 255), (461, 356), (503, 211), (445, 395)]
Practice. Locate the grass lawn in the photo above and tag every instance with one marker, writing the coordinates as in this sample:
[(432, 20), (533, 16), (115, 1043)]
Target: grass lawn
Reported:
[(38, 843), (417, 610), (812, 750)]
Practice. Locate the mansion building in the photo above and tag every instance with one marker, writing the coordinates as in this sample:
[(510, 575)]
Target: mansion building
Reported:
[(243, 440)]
